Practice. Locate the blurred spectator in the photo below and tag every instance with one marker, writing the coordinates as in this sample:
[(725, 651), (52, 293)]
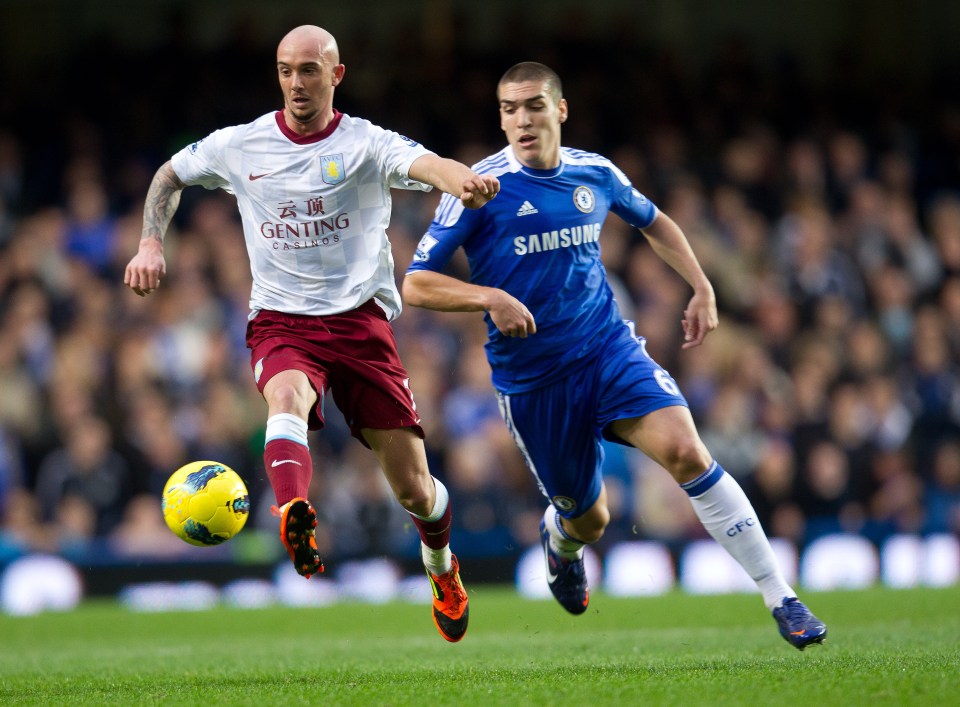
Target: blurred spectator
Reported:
[(890, 419), (775, 317), (151, 433), (850, 427), (142, 532), (471, 404), (942, 492), (896, 504), (91, 232), (932, 382), (662, 512), (868, 352), (948, 305), (495, 489), (730, 431), (22, 529), (806, 172), (11, 469), (741, 262), (27, 315), (20, 394), (11, 176), (893, 296), (87, 468), (848, 161), (907, 245), (944, 223), (485, 512), (359, 505), (73, 526), (825, 493), (813, 264), (772, 489)]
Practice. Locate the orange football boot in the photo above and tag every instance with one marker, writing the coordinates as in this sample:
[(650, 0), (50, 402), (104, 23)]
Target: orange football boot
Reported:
[(298, 529), (450, 604)]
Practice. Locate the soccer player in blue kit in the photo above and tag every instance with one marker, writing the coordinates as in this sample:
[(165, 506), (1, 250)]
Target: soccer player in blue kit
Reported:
[(568, 370)]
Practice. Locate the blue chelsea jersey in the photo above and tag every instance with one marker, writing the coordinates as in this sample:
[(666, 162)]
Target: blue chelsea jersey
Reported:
[(539, 240)]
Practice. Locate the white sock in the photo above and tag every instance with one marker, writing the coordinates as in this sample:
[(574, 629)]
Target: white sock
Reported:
[(726, 513), (437, 561), (560, 541), (283, 425)]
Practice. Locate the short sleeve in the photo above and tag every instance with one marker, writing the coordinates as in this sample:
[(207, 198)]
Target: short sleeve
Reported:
[(396, 153), (452, 225), (201, 163), (628, 203)]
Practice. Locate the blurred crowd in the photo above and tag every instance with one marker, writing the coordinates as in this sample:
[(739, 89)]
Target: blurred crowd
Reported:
[(826, 212)]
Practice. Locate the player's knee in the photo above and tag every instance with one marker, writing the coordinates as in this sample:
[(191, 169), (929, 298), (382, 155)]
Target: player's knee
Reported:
[(415, 498), (289, 398), (589, 528), (687, 458), (591, 536)]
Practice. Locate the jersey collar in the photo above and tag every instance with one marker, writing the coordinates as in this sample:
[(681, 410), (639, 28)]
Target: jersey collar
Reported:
[(530, 171), (312, 137)]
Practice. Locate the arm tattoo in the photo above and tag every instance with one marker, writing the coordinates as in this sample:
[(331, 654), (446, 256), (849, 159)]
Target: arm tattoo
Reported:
[(163, 198)]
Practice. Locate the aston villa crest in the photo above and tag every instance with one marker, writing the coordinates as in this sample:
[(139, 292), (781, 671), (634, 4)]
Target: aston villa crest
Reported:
[(331, 169)]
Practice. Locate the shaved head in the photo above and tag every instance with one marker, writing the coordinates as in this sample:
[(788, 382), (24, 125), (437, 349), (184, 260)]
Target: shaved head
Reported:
[(309, 68), (311, 38)]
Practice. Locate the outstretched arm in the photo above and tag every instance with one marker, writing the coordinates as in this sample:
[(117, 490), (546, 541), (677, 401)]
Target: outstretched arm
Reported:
[(433, 290), (456, 179), (163, 197), (668, 241)]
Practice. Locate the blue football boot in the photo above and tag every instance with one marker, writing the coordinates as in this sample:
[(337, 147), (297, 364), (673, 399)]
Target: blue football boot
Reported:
[(567, 578), (797, 625)]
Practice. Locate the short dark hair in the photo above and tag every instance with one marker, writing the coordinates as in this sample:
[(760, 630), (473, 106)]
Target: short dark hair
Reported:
[(534, 71)]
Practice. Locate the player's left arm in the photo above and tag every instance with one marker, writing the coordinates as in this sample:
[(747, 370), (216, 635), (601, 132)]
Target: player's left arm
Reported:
[(668, 241), (455, 178)]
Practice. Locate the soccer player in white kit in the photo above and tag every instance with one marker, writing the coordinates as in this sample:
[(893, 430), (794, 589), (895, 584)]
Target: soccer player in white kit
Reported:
[(313, 190)]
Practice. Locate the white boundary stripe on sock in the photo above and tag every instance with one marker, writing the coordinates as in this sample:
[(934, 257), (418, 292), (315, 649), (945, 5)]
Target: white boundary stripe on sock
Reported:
[(439, 505), (285, 425)]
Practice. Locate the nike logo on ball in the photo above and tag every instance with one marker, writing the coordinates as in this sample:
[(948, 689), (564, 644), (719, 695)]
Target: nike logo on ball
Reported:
[(278, 462)]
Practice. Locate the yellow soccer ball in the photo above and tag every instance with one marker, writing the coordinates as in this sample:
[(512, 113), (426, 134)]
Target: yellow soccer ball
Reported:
[(205, 503)]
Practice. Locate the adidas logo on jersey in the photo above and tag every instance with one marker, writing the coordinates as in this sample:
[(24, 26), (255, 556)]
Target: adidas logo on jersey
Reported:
[(526, 208)]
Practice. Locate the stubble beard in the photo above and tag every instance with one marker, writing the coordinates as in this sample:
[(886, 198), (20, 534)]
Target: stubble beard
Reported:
[(303, 116)]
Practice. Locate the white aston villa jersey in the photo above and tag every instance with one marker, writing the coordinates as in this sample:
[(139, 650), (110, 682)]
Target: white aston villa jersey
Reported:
[(315, 208)]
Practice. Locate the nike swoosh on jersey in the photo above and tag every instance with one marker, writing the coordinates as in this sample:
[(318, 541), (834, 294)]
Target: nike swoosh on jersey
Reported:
[(278, 462), (254, 177)]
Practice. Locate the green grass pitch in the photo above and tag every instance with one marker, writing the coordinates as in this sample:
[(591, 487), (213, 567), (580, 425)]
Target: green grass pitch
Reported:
[(885, 647)]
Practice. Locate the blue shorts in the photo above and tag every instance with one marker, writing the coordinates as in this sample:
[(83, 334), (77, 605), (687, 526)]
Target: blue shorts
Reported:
[(559, 427)]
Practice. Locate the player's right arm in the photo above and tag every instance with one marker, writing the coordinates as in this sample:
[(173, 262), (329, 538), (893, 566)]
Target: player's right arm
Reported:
[(454, 178), (144, 270), (425, 284), (434, 290)]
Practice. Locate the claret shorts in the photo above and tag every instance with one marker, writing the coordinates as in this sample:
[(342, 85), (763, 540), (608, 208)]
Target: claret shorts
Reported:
[(351, 356)]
